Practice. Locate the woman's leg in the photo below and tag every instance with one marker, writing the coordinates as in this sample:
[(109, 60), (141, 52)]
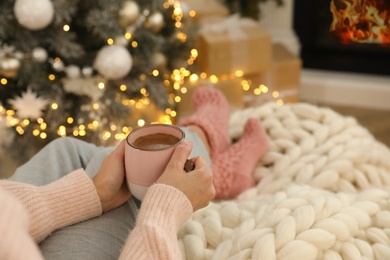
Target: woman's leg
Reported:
[(56, 159), (232, 166)]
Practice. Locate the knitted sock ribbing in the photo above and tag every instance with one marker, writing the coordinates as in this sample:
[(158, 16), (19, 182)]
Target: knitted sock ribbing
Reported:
[(212, 115), (233, 169)]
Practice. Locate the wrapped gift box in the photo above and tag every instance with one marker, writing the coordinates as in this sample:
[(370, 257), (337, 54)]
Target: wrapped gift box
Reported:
[(206, 9), (231, 88), (283, 77), (234, 44)]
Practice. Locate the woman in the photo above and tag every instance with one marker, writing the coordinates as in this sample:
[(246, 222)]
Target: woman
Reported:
[(93, 218)]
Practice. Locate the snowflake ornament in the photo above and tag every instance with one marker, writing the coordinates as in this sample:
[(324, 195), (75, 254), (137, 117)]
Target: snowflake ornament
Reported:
[(29, 105), (84, 87)]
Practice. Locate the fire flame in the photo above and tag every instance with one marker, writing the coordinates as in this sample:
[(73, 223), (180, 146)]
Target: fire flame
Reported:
[(362, 21)]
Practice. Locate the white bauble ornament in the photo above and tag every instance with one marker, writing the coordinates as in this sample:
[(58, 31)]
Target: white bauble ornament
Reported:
[(155, 22), (113, 62), (34, 14), (129, 13), (39, 54), (9, 67), (87, 71), (73, 71)]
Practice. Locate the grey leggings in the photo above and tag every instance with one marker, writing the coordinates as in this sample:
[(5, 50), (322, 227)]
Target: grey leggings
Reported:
[(98, 238)]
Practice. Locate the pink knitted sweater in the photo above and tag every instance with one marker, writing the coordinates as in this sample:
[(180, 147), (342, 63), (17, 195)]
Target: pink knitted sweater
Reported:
[(29, 214)]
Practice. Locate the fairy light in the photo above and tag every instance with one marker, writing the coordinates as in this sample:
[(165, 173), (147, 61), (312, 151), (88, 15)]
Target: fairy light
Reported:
[(36, 132), (134, 44), (155, 73), (13, 121), (245, 85), (3, 81), (192, 13), (257, 91), (213, 79), (128, 35), (66, 28), (70, 120), (82, 132), (10, 112), (25, 122), (54, 106), (173, 113), (143, 91), (43, 135), (194, 78), (101, 85), (51, 77), (181, 36), (61, 131), (110, 41), (20, 130), (123, 87), (43, 126), (141, 122), (239, 73)]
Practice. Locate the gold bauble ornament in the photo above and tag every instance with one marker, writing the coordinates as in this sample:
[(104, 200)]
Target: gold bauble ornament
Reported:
[(159, 60), (9, 67), (129, 13)]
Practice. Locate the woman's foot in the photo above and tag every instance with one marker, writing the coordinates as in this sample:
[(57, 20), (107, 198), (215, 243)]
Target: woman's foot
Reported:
[(233, 168), (212, 116)]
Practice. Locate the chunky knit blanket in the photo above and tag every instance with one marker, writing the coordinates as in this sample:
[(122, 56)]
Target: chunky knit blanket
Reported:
[(322, 193)]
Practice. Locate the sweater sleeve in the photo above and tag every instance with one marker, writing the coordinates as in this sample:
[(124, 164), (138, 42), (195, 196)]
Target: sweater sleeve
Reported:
[(64, 202), (163, 211), (16, 243)]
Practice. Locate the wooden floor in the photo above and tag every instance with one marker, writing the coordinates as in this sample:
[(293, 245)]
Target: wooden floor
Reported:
[(376, 121)]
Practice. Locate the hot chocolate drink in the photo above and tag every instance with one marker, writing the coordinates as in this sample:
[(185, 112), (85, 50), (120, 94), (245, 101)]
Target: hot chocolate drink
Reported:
[(155, 141)]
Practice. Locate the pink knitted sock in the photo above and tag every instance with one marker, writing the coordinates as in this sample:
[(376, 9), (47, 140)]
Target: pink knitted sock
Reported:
[(212, 115), (233, 169)]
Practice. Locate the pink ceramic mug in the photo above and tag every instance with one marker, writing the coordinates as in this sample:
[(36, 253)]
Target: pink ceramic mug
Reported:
[(145, 164)]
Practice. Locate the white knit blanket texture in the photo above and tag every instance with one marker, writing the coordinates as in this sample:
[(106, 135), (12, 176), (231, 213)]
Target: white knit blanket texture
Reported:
[(323, 192)]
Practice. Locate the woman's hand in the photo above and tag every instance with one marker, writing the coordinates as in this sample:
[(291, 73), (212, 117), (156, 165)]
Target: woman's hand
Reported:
[(110, 181), (197, 185)]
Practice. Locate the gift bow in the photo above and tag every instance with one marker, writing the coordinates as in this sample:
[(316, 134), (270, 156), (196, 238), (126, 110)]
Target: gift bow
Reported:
[(232, 25)]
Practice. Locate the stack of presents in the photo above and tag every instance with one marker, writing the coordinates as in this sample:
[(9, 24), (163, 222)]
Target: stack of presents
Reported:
[(240, 54)]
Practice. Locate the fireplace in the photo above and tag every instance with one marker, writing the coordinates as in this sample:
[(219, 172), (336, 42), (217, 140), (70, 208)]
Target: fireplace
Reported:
[(344, 35)]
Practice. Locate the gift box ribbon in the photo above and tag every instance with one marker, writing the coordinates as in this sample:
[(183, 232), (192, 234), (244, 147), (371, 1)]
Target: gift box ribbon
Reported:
[(233, 26)]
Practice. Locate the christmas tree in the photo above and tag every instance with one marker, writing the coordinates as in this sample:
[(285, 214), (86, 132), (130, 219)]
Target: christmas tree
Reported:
[(89, 69)]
